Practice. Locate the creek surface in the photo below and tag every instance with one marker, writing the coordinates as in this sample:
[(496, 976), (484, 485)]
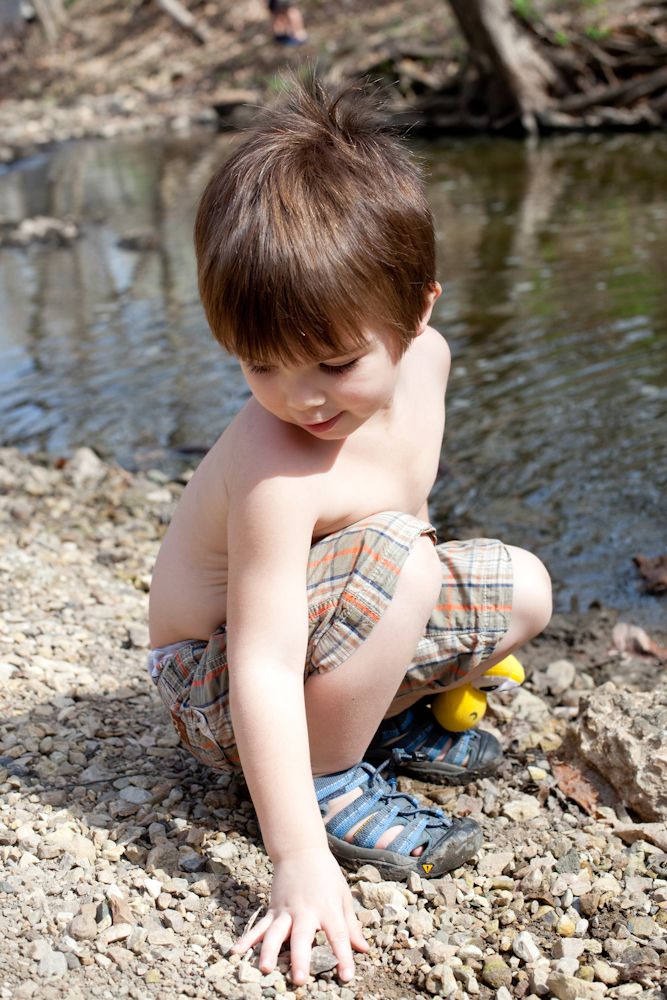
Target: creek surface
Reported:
[(553, 261)]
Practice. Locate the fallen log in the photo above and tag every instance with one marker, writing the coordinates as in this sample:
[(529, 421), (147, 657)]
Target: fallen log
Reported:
[(182, 16)]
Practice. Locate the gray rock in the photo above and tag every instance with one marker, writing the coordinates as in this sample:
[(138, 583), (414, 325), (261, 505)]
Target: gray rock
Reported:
[(568, 863), (322, 959), (53, 963), (139, 796), (622, 735)]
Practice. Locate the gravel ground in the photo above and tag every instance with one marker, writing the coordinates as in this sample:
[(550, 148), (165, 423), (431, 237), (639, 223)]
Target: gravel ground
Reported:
[(127, 869)]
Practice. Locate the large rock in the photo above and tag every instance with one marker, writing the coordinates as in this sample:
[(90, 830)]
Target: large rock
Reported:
[(622, 735)]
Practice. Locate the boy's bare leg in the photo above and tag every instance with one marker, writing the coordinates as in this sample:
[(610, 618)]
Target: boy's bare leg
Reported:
[(531, 613), (345, 707)]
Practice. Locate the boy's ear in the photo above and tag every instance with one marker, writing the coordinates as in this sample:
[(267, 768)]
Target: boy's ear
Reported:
[(433, 294)]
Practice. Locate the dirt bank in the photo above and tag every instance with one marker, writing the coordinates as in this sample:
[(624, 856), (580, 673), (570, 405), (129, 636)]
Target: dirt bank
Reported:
[(129, 67)]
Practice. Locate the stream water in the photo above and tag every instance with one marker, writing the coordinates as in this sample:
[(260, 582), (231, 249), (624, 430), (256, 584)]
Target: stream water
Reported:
[(553, 261)]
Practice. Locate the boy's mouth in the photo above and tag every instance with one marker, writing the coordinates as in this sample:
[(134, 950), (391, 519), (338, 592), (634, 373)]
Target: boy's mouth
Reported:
[(324, 425)]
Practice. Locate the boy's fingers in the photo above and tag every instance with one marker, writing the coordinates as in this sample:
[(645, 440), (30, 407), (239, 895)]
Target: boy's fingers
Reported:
[(251, 937), (272, 942), (301, 943), (339, 939), (357, 939), (355, 929)]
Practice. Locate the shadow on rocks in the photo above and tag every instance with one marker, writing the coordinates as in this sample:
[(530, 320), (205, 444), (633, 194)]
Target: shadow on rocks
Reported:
[(124, 796)]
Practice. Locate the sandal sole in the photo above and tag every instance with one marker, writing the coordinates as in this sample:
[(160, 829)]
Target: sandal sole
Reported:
[(397, 867), (436, 772)]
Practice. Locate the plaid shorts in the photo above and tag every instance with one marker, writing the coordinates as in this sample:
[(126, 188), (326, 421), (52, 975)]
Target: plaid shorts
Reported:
[(352, 576)]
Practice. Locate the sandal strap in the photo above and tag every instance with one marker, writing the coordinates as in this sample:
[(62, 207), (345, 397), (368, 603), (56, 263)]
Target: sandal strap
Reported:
[(382, 807), (416, 732)]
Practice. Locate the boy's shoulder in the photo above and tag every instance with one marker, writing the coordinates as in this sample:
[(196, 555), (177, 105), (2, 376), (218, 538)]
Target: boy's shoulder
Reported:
[(433, 348), (260, 452)]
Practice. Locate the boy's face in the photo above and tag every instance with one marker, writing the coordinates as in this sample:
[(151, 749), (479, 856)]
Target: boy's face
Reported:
[(331, 398)]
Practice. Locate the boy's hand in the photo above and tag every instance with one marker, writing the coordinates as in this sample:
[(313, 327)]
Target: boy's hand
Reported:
[(309, 893)]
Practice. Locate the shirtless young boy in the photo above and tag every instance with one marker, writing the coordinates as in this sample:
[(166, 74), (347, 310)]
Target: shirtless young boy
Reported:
[(298, 598)]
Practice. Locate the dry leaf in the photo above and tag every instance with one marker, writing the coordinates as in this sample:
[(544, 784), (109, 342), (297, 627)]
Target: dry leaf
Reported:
[(633, 639), (575, 786)]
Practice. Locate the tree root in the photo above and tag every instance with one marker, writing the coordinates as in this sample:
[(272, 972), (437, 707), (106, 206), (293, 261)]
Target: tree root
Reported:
[(524, 76)]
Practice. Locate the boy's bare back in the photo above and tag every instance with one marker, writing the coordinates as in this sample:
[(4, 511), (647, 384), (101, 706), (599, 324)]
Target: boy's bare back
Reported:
[(390, 462)]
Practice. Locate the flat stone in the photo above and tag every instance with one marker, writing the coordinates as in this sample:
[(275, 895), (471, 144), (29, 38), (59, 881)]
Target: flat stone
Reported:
[(218, 970), (605, 972), (117, 932), (522, 809), (380, 894), (568, 965), (643, 927), (163, 857), (67, 841), (161, 936), (394, 914), (495, 863), (420, 924), (568, 863), (53, 963), (173, 919), (322, 959), (568, 948), (139, 796), (439, 952), (571, 988), (247, 973), (621, 734)]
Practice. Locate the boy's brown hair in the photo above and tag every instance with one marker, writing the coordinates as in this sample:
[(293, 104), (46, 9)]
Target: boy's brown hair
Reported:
[(315, 228)]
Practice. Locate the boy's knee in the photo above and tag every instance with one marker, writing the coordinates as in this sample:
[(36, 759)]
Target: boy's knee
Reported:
[(531, 603), (421, 575)]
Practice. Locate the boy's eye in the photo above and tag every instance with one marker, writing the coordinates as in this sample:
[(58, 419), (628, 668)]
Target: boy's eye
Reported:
[(339, 369), (259, 369)]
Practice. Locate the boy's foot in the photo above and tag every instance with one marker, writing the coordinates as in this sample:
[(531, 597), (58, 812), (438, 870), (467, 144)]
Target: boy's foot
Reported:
[(432, 753), (369, 822), (290, 40)]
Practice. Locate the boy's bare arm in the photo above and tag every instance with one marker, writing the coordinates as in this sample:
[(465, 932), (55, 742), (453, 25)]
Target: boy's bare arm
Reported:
[(269, 537), (269, 527)]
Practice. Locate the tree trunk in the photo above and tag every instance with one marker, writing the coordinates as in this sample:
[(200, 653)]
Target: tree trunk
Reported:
[(514, 79), (52, 16)]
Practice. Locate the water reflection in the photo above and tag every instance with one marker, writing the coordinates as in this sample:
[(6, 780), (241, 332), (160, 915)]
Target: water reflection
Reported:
[(553, 261)]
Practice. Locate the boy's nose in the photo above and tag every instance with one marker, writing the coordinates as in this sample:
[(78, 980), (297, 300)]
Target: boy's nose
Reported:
[(304, 396)]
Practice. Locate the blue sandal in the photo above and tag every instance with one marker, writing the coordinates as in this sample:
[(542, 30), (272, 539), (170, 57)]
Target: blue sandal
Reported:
[(471, 754), (447, 843)]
